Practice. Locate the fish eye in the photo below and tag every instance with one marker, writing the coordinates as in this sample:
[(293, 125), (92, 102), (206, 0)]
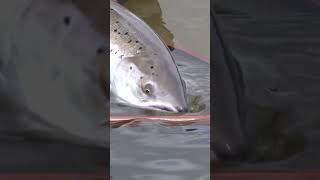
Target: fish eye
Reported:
[(147, 89)]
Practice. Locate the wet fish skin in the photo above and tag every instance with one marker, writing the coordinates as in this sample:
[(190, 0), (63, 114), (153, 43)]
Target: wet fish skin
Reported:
[(49, 72), (142, 70)]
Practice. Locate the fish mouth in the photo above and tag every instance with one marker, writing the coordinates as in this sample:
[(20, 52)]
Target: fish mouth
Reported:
[(175, 109)]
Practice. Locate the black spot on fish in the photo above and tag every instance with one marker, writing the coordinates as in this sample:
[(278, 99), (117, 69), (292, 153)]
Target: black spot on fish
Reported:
[(141, 77), (111, 50), (152, 74), (126, 33), (66, 20), (121, 56), (101, 50), (117, 21), (130, 41), (119, 32), (171, 48), (151, 67), (190, 129), (274, 89), (140, 48), (130, 67), (115, 30), (137, 41)]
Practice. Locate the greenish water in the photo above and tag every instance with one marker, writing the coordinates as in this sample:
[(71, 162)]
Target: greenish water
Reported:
[(184, 23)]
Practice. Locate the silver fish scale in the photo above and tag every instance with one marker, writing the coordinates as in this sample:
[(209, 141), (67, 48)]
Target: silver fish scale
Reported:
[(124, 37), (138, 57)]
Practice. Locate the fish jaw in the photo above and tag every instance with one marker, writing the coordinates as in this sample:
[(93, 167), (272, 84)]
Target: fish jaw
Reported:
[(167, 107)]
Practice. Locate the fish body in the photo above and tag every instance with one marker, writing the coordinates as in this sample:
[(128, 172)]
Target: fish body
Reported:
[(142, 70), (50, 72)]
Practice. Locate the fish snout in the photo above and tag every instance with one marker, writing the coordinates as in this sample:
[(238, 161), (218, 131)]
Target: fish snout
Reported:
[(170, 108), (181, 109)]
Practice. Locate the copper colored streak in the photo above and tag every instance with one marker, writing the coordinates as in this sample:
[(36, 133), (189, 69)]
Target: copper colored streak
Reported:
[(266, 176), (117, 121), (192, 53), (163, 118)]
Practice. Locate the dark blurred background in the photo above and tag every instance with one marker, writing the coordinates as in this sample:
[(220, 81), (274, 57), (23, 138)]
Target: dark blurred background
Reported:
[(273, 47)]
